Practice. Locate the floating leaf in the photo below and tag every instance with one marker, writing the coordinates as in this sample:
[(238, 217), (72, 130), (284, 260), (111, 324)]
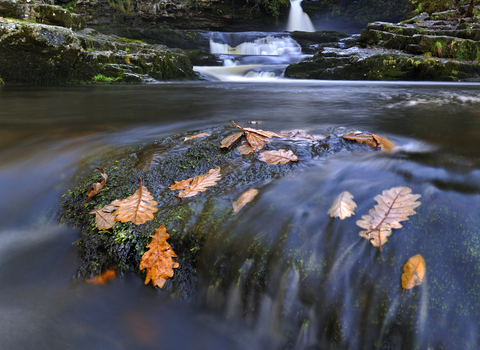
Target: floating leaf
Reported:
[(138, 208), (256, 141), (371, 140), (275, 157), (384, 143), (158, 260), (413, 272), (301, 135), (203, 134), (180, 185), (228, 141), (394, 205), (343, 206), (104, 277), (244, 199), (201, 183), (96, 187)]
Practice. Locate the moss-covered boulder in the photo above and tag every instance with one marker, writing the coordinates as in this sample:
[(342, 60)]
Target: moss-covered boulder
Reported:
[(42, 13), (337, 65), (39, 54)]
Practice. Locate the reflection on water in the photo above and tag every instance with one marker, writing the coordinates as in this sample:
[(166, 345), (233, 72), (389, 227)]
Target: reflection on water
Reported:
[(339, 291)]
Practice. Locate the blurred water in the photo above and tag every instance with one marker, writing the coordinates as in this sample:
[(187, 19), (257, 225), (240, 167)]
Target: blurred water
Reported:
[(345, 294)]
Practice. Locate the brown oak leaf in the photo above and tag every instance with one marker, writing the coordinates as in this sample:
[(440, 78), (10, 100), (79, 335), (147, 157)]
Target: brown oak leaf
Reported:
[(104, 277), (158, 260), (201, 183), (275, 157), (228, 141), (96, 187), (372, 140), (138, 208)]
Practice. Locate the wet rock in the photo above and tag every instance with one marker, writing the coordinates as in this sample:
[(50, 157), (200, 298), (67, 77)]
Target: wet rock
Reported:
[(189, 221), (312, 42), (42, 13), (33, 53)]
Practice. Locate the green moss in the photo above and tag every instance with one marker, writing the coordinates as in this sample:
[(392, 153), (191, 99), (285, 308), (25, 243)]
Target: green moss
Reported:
[(103, 79)]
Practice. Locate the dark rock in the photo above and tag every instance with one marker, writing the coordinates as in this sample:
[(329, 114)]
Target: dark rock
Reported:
[(40, 54)]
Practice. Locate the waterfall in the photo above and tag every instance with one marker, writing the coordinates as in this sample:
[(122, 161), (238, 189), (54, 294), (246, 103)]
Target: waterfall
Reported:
[(297, 19)]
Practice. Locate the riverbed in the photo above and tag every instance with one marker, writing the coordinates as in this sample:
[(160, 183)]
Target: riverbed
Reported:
[(47, 135)]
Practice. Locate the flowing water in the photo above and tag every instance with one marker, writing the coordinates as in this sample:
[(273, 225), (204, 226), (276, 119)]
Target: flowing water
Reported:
[(343, 294)]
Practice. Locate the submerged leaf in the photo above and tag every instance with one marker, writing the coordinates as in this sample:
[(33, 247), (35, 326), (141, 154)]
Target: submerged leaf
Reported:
[(394, 205), (138, 208), (96, 187), (228, 141), (158, 260), (104, 277), (413, 272), (343, 206), (275, 157), (301, 135), (244, 199), (201, 183), (203, 134)]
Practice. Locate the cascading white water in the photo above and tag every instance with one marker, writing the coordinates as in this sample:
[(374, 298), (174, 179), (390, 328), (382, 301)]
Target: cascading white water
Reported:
[(297, 19)]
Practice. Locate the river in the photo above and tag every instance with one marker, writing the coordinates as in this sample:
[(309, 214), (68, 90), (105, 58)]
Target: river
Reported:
[(47, 132)]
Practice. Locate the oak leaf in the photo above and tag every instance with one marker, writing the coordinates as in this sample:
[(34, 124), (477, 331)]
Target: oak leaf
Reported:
[(104, 277), (343, 206), (394, 205), (201, 183), (275, 157), (96, 187), (371, 140), (138, 208), (159, 259), (413, 272), (266, 134), (244, 199), (228, 141), (180, 185), (104, 219), (245, 149), (203, 134)]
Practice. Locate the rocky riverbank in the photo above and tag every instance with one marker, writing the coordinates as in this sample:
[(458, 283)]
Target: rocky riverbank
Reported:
[(442, 46)]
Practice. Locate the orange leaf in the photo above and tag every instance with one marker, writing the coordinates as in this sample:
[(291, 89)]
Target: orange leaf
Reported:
[(228, 141), (180, 185), (201, 183), (138, 208), (245, 148), (362, 138), (96, 187), (275, 157), (104, 277), (413, 272), (104, 219), (267, 134), (256, 141), (158, 260), (245, 198), (203, 134), (384, 143)]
